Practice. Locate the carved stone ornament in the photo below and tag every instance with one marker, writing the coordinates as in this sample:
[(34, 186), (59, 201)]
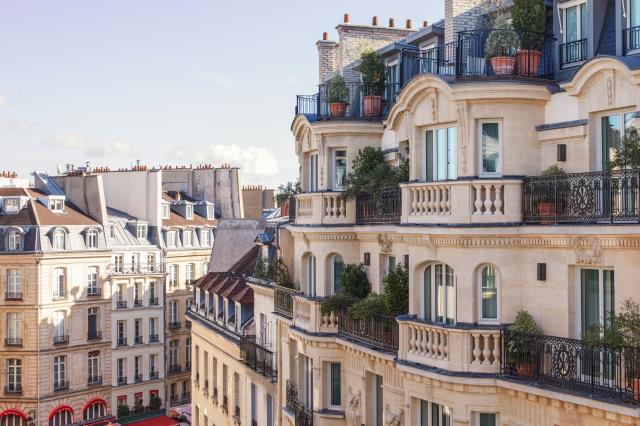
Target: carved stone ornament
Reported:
[(609, 81), (462, 134), (392, 419), (354, 410), (385, 243), (588, 251), (305, 238)]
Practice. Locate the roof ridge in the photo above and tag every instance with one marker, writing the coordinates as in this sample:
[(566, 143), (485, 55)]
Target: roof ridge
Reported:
[(34, 210)]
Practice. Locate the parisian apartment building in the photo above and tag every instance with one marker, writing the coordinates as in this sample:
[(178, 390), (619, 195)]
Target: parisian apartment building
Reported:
[(518, 236), (96, 270)]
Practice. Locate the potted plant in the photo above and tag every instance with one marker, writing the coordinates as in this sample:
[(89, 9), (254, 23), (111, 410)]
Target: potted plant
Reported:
[(373, 75), (501, 47), (338, 96), (519, 354), (556, 186), (628, 153), (528, 21)]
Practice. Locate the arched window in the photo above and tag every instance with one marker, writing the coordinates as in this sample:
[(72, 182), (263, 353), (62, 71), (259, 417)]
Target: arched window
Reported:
[(439, 294), (94, 410), (14, 240), (61, 416), (337, 267), (92, 239), (488, 294), (311, 275), (59, 239), (12, 418)]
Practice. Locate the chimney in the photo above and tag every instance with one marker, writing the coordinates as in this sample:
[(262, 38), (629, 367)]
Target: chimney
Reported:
[(391, 23), (325, 36), (326, 56), (460, 15), (374, 21), (425, 24), (346, 18), (408, 24)]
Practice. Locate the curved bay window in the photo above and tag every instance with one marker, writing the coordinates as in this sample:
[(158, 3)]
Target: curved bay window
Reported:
[(439, 294), (488, 297), (337, 268)]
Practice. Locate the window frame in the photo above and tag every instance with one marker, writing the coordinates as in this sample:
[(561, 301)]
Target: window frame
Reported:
[(334, 169), (433, 296), (58, 239), (562, 7), (450, 132), (59, 283), (480, 158), (14, 240), (480, 288)]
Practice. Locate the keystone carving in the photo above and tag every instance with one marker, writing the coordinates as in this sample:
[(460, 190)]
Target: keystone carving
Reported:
[(588, 251), (392, 419), (385, 243)]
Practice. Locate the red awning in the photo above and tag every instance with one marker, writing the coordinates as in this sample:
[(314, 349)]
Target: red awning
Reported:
[(157, 421)]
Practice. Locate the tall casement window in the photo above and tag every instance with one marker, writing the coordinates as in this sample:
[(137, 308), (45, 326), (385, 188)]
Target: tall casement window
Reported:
[(205, 237), (187, 238), (14, 328), (171, 238), (190, 272), (118, 263), (432, 414), (335, 385), (173, 353), (596, 298), (311, 275), (92, 323), (59, 371), (307, 381), (58, 326), (121, 369), (313, 172), (490, 149), (92, 280), (93, 367), (173, 275), (611, 134), (14, 284), (14, 240), (488, 294), (14, 375), (59, 239), (59, 282), (122, 332), (173, 311), (339, 168), (187, 345), (439, 294), (153, 366), (575, 31), (151, 262), (92, 239), (337, 267), (441, 154), (632, 34), (12, 420)]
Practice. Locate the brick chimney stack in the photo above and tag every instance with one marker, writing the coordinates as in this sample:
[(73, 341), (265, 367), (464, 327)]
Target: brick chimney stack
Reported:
[(327, 53), (460, 15)]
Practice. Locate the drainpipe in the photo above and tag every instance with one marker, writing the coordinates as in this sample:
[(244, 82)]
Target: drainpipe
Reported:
[(39, 275)]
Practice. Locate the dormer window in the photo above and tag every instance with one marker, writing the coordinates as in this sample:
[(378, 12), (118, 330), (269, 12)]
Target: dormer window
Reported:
[(165, 211), (14, 240), (56, 205), (112, 230), (210, 212), (59, 239), (189, 211), (171, 238), (142, 231), (92, 239), (187, 238), (11, 205), (204, 237)]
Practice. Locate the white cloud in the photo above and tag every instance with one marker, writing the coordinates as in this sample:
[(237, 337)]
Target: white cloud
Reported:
[(88, 146), (251, 160)]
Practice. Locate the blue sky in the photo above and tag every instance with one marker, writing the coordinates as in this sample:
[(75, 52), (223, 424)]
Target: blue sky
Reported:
[(165, 82)]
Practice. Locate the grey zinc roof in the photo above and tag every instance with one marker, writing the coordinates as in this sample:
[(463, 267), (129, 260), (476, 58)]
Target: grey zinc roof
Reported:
[(122, 234), (233, 239)]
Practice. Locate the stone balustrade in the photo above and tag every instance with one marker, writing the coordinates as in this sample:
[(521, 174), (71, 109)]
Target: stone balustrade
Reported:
[(308, 317), (462, 201), (324, 208), (462, 349)]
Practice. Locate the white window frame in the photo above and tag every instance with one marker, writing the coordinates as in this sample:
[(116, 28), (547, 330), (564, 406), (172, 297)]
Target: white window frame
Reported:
[(56, 205), (190, 273), (15, 324), (11, 205), (141, 231), (14, 240), (172, 238), (93, 364), (599, 129), (92, 279), (312, 270), (166, 211), (333, 271), (173, 311), (188, 211), (434, 153), (59, 240), (578, 296), (329, 392), (187, 238), (433, 296), (59, 369), (59, 283), (173, 275), (475, 416), (15, 283), (14, 373), (313, 172), (562, 8), (205, 239), (481, 319), (92, 239), (334, 157), (59, 324), (498, 173)]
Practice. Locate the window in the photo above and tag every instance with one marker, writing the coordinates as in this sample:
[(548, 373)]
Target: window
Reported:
[(188, 350), (151, 262), (188, 211), (153, 365), (56, 205), (58, 326), (204, 237), (575, 28), (92, 280), (94, 411), (152, 293), (59, 283), (11, 205), (210, 212), (337, 267), (122, 370), (166, 211), (118, 262), (173, 311), (122, 332), (121, 293), (59, 239), (270, 410), (487, 419), (596, 298), (92, 323), (173, 353), (335, 392), (633, 22), (92, 239), (141, 231), (187, 238), (137, 292), (339, 169), (311, 275), (432, 414), (441, 154), (236, 390), (137, 366), (488, 294), (12, 420), (313, 172), (171, 238), (205, 268), (439, 294), (14, 328), (112, 230), (190, 273), (137, 329), (14, 284), (59, 371), (62, 417), (612, 132), (490, 149), (14, 240), (173, 275), (93, 366), (153, 329), (14, 375)]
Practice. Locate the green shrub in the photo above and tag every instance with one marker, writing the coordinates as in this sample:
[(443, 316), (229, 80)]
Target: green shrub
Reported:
[(373, 72), (628, 154), (337, 90), (155, 402), (337, 303), (123, 410), (524, 323), (354, 281), (396, 290), (367, 308), (528, 21), (554, 170), (502, 40), (371, 174)]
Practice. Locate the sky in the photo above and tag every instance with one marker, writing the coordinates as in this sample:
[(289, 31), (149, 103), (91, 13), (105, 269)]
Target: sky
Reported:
[(165, 82)]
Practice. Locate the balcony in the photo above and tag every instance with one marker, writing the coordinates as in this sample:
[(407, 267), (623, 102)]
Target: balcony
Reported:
[(94, 335), (61, 339), (324, 208), (379, 333), (60, 385), (122, 341), (137, 378), (573, 52), (154, 338), (631, 39), (462, 202), (122, 380), (137, 303), (174, 369), (283, 301), (449, 347), (174, 325), (381, 208), (593, 197), (13, 342), (94, 291), (13, 296), (363, 102), (94, 380), (217, 326), (307, 316), (13, 389), (174, 400), (258, 358), (599, 371), (137, 340), (121, 304), (303, 415), (153, 301), (135, 268)]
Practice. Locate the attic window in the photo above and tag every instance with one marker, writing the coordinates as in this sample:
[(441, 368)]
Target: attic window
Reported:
[(11, 205), (189, 211), (210, 213), (112, 230), (165, 211), (142, 231), (56, 205)]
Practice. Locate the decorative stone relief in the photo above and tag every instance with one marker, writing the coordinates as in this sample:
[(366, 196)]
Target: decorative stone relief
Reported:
[(354, 410), (392, 419), (385, 243), (462, 108), (588, 251), (320, 144), (433, 107), (609, 81), (305, 238)]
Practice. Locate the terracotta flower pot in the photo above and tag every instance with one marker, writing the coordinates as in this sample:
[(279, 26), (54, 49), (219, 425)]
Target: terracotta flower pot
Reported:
[(503, 65), (529, 62), (338, 109), (636, 389), (546, 210), (372, 106), (525, 369)]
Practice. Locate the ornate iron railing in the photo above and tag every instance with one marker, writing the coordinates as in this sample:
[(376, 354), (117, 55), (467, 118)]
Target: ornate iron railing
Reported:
[(439, 60), (593, 197), (600, 370), (303, 415), (573, 52), (631, 39), (258, 357), (380, 332), (383, 207), (283, 301)]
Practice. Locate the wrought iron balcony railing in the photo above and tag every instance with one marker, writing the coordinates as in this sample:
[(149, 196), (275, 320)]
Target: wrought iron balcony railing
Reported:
[(122, 380), (153, 301), (13, 389), (573, 52), (61, 339), (258, 357), (174, 325), (174, 369), (380, 332), (121, 304), (154, 338), (153, 375), (94, 380), (593, 197), (94, 335), (597, 370), (137, 340), (137, 303), (122, 341), (303, 414), (137, 378), (383, 207), (283, 301), (13, 341), (60, 385), (94, 291), (13, 296), (135, 268), (631, 39)]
